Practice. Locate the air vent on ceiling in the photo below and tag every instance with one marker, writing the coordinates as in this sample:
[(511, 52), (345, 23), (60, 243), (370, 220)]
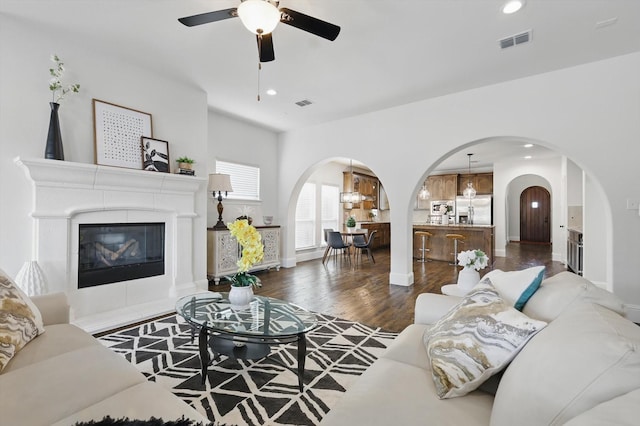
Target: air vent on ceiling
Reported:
[(516, 39), (303, 103)]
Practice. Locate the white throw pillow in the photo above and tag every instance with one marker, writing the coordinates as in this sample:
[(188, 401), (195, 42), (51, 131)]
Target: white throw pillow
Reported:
[(516, 287), (476, 339), (20, 319)]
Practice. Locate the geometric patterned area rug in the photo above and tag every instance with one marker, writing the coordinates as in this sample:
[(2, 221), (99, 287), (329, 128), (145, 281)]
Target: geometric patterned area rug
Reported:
[(254, 392)]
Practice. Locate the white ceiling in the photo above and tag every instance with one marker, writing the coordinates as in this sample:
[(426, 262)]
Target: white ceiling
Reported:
[(388, 53)]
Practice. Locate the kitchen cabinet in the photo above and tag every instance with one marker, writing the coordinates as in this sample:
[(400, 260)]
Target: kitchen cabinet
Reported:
[(441, 187), (223, 252), (477, 237), (482, 182), (574, 251), (366, 185), (383, 234)]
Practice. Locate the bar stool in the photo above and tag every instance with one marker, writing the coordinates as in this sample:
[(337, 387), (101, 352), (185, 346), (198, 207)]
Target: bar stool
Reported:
[(456, 238), (424, 235)]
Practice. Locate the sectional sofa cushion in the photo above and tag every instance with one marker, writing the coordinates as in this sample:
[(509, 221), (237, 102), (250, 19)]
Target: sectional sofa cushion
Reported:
[(516, 287), (20, 320), (586, 356), (475, 340), (561, 290), (621, 411)]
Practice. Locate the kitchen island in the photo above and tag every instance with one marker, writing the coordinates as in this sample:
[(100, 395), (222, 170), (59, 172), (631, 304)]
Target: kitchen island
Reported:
[(477, 237)]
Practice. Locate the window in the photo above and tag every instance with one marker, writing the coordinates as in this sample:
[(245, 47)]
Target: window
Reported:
[(330, 208), (306, 217), (245, 180), (318, 208)]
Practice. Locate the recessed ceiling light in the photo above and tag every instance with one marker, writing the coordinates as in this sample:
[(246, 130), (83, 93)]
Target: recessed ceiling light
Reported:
[(528, 145), (512, 6), (271, 92), (527, 157)]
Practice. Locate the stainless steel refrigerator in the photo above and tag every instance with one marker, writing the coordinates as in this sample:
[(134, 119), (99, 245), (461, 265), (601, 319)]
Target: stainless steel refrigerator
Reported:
[(481, 213)]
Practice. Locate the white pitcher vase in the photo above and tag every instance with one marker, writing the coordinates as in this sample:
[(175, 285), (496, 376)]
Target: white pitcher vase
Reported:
[(468, 278)]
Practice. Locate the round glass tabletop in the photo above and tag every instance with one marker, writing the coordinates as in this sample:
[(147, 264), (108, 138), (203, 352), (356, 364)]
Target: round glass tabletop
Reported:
[(266, 317)]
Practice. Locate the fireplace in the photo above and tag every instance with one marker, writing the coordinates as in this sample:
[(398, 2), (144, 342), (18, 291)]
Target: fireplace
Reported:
[(110, 253)]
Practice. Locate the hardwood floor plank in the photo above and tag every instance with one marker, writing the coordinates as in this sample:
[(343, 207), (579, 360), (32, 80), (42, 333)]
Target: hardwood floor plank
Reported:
[(362, 292)]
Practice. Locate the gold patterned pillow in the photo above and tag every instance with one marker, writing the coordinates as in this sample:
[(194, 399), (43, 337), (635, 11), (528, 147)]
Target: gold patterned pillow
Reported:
[(20, 320), (476, 339)]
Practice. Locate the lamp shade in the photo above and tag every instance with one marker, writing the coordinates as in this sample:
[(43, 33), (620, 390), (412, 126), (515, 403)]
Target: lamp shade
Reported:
[(220, 182), (259, 16)]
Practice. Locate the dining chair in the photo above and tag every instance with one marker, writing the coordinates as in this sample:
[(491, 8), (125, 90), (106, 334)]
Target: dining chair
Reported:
[(335, 243), (361, 246), (326, 231)]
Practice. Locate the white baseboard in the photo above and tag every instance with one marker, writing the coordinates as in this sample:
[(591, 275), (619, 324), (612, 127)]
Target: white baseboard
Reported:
[(401, 279), (501, 252)]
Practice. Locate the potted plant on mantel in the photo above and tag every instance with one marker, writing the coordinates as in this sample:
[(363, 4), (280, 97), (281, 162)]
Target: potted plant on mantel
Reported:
[(242, 282), (185, 163)]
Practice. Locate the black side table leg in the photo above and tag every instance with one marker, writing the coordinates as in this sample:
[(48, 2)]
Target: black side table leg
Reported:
[(204, 352), (302, 356)]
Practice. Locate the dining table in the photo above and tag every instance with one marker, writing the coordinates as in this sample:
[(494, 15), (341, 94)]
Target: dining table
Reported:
[(348, 237)]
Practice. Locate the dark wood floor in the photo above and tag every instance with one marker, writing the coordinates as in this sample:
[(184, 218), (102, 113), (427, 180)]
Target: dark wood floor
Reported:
[(362, 293)]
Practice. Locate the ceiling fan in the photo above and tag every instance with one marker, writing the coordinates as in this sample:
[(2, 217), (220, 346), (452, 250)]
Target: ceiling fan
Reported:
[(261, 17)]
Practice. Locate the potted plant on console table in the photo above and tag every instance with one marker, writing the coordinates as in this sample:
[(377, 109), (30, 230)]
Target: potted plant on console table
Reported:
[(242, 282)]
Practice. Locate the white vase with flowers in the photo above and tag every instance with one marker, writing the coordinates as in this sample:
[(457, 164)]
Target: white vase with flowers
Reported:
[(472, 262)]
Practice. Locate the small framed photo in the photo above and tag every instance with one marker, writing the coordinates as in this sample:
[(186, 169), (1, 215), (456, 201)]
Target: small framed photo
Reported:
[(155, 155), (117, 132)]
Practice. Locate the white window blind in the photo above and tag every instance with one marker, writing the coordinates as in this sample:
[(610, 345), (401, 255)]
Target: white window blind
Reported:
[(245, 180), (306, 217), (330, 208)]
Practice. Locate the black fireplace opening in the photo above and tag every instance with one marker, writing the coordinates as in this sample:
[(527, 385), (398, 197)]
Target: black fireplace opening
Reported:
[(110, 253)]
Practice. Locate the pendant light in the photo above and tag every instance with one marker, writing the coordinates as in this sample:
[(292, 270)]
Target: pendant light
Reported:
[(469, 192), (351, 196), (424, 193)]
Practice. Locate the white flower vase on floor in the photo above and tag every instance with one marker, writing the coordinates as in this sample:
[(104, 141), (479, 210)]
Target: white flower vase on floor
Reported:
[(31, 279), (240, 297), (468, 278)]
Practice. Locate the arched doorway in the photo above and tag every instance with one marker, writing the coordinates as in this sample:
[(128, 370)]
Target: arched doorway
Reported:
[(535, 215)]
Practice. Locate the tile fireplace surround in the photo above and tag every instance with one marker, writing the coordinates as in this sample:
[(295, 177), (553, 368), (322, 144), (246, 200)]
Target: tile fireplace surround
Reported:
[(67, 194)]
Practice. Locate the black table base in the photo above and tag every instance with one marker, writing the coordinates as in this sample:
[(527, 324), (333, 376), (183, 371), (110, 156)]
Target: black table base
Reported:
[(251, 348)]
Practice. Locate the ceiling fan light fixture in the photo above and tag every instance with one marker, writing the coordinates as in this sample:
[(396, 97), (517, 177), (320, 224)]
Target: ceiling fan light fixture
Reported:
[(259, 16)]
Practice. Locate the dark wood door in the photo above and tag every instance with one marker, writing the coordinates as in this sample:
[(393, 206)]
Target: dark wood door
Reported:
[(535, 215)]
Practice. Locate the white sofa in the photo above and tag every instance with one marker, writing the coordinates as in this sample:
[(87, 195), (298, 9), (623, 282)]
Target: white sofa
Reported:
[(64, 376), (583, 368)]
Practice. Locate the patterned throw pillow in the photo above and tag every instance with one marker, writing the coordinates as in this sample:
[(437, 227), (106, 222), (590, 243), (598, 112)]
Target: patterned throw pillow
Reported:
[(20, 320), (476, 339)]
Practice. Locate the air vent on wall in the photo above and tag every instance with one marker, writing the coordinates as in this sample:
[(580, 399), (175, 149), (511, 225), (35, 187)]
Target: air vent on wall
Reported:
[(303, 102), (516, 39)]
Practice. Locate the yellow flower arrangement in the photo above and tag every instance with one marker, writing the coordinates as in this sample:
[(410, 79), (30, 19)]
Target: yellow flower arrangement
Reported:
[(252, 252)]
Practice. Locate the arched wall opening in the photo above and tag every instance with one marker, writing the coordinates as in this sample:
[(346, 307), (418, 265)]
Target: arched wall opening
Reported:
[(328, 171), (554, 174)]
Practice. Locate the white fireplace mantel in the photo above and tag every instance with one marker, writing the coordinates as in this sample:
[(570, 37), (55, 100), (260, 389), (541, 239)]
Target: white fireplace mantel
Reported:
[(66, 194)]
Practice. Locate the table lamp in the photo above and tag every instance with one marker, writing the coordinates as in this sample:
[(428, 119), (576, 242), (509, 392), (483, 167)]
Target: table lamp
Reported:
[(220, 183)]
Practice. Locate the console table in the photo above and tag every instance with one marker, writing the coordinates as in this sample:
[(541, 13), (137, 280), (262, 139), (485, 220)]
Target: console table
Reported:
[(223, 252)]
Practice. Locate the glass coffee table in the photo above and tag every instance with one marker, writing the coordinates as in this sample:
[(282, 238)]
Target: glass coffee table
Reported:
[(248, 333)]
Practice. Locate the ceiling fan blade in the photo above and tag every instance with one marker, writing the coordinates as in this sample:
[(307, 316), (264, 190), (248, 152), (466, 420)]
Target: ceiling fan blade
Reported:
[(265, 48), (205, 18), (309, 24)]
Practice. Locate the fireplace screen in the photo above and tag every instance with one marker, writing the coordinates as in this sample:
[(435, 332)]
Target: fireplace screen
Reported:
[(110, 253)]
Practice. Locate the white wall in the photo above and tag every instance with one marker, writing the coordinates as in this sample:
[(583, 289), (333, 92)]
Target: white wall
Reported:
[(572, 111), (240, 142), (179, 114)]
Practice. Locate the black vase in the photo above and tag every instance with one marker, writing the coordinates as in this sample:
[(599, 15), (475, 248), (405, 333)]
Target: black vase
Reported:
[(54, 150)]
